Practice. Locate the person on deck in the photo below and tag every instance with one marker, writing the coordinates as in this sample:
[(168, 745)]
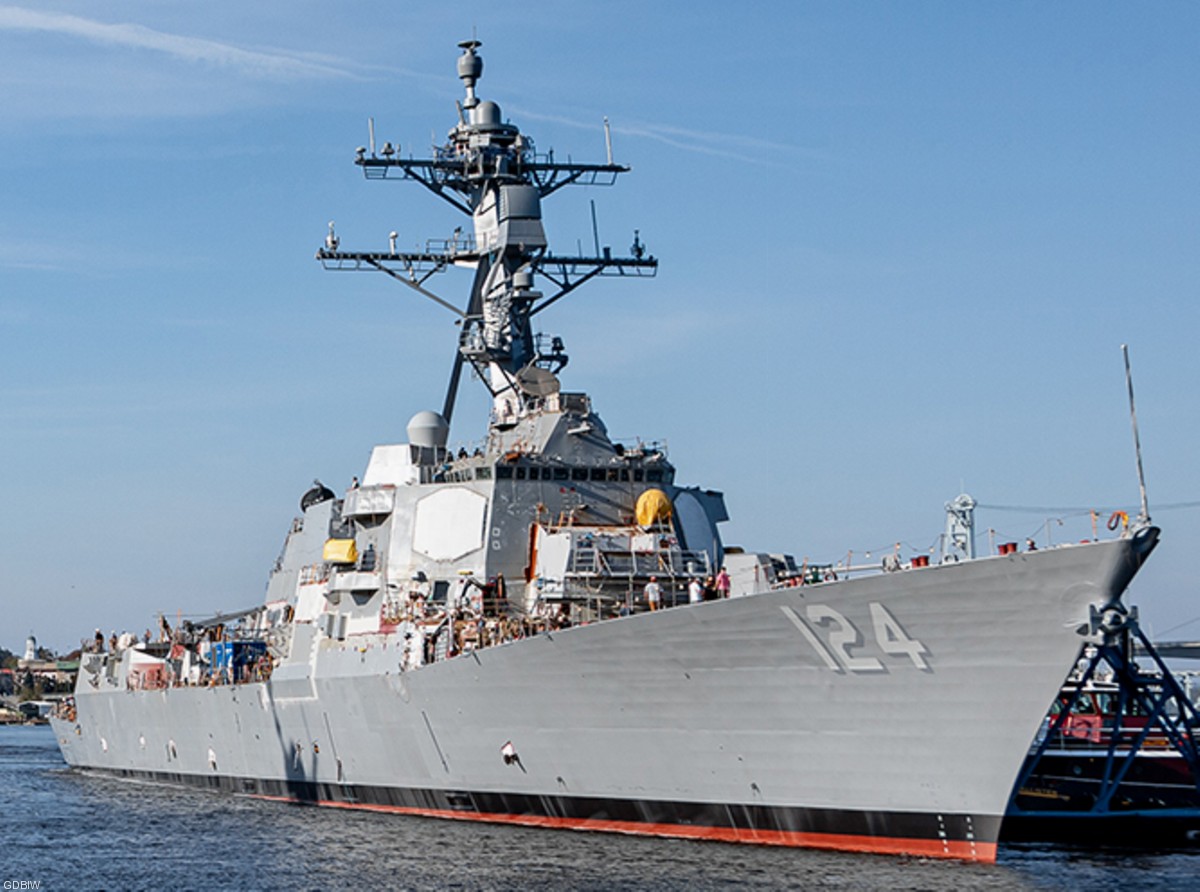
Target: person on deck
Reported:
[(653, 593), (723, 584)]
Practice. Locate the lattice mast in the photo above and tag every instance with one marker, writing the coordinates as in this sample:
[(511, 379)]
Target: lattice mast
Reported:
[(490, 171)]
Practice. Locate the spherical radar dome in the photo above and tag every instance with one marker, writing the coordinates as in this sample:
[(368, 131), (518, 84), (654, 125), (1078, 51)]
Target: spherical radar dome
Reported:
[(428, 429)]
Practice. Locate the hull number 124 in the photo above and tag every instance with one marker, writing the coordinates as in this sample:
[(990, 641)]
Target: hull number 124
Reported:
[(839, 643)]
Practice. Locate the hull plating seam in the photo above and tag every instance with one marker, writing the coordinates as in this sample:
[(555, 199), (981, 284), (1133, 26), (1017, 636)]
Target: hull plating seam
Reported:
[(966, 837)]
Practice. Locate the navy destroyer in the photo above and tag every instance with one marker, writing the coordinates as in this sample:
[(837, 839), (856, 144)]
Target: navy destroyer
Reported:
[(501, 632)]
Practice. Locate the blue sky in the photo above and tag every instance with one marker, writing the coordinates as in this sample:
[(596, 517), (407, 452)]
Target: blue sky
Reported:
[(900, 245)]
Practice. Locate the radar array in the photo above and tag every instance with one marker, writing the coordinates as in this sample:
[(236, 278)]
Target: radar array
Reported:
[(491, 171)]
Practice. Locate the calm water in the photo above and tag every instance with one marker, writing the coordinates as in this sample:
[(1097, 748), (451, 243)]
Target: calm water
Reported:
[(71, 831)]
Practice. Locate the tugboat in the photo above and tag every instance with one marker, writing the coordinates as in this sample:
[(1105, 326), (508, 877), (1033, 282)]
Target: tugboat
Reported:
[(488, 633)]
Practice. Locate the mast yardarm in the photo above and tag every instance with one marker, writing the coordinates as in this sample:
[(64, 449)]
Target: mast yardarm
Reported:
[(490, 171)]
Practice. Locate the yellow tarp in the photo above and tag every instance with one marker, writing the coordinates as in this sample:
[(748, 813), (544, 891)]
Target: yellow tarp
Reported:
[(652, 506), (340, 551)]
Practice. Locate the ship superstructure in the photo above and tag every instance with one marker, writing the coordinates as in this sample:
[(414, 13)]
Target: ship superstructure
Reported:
[(501, 634), (568, 516)]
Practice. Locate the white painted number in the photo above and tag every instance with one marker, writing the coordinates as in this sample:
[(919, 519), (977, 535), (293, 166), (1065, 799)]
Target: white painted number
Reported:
[(808, 633), (893, 639), (843, 637)]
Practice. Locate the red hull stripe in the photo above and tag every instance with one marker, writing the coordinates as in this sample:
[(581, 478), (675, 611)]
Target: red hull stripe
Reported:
[(967, 850)]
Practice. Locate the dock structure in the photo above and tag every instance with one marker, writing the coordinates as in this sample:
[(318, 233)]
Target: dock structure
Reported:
[(1117, 761)]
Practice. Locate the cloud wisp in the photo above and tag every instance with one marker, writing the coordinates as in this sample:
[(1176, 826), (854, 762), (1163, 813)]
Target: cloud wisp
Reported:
[(704, 142), (271, 65)]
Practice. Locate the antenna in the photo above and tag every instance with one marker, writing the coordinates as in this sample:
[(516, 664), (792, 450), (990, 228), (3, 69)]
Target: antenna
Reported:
[(595, 230), (608, 139), (1144, 516), (371, 133)]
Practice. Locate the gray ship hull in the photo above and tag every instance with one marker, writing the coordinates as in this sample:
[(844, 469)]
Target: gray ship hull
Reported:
[(889, 713)]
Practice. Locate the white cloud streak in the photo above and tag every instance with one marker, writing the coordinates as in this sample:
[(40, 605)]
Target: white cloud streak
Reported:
[(270, 65), (704, 142)]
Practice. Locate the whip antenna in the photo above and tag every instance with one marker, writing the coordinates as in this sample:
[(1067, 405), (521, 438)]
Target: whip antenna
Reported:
[(1144, 516)]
